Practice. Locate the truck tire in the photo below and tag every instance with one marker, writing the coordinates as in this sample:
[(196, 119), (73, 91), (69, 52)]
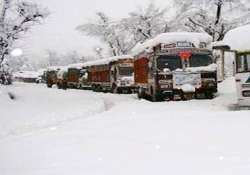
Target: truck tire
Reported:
[(154, 95), (141, 93), (49, 85), (209, 95), (93, 87)]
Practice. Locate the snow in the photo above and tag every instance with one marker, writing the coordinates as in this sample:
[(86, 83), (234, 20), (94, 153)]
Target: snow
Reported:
[(187, 88), (55, 68), (219, 43), (26, 74), (37, 107), (107, 60), (76, 65), (209, 68), (173, 37), (100, 61), (56, 132), (237, 38)]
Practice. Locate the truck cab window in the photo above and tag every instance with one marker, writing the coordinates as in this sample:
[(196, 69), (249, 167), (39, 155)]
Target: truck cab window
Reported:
[(126, 71), (200, 60), (170, 62)]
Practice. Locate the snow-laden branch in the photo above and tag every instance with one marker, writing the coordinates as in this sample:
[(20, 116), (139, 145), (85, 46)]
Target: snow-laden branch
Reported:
[(16, 19)]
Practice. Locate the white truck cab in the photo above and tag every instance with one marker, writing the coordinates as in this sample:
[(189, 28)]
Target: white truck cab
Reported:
[(242, 78)]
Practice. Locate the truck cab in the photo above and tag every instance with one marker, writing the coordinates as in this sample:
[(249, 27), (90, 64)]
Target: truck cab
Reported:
[(242, 78), (83, 79), (122, 76), (62, 78), (51, 76)]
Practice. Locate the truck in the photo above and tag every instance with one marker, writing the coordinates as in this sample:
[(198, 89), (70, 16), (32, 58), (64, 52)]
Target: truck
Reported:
[(115, 74), (73, 77), (83, 79), (51, 76), (62, 78), (240, 45), (175, 66)]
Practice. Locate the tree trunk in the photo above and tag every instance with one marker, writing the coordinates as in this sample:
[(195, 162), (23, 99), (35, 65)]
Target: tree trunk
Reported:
[(112, 48), (218, 14)]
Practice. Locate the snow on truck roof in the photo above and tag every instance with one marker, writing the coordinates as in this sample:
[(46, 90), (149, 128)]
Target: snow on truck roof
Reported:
[(238, 38), (76, 65), (54, 68), (107, 60), (99, 62), (173, 37)]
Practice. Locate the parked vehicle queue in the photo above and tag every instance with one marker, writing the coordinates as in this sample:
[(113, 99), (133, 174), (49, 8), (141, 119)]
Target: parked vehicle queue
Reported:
[(171, 66)]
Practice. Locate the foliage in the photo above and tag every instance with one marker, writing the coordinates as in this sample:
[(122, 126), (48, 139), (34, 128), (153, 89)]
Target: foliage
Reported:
[(16, 18)]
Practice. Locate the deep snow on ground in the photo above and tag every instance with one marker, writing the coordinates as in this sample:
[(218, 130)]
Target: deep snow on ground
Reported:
[(82, 132)]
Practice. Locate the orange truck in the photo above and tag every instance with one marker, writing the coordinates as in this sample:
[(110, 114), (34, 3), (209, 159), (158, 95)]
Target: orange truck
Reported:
[(175, 66), (115, 74)]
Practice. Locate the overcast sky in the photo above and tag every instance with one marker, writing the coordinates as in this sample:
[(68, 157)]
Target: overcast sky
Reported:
[(58, 31)]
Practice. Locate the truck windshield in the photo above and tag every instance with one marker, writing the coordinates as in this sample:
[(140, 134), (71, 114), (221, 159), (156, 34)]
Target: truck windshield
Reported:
[(169, 62), (126, 71), (200, 60), (82, 72)]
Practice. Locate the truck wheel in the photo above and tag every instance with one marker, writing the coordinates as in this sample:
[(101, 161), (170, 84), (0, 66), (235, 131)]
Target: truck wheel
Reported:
[(93, 87), (98, 88), (64, 86), (209, 95), (49, 85), (79, 86), (141, 93), (154, 96)]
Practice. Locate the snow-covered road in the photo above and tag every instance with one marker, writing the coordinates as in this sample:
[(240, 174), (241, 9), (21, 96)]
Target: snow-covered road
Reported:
[(55, 132)]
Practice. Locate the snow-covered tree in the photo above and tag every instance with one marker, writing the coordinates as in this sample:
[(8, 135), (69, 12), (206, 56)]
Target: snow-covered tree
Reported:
[(146, 22), (16, 18), (122, 35), (55, 59), (20, 63), (104, 28), (216, 17), (99, 52)]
